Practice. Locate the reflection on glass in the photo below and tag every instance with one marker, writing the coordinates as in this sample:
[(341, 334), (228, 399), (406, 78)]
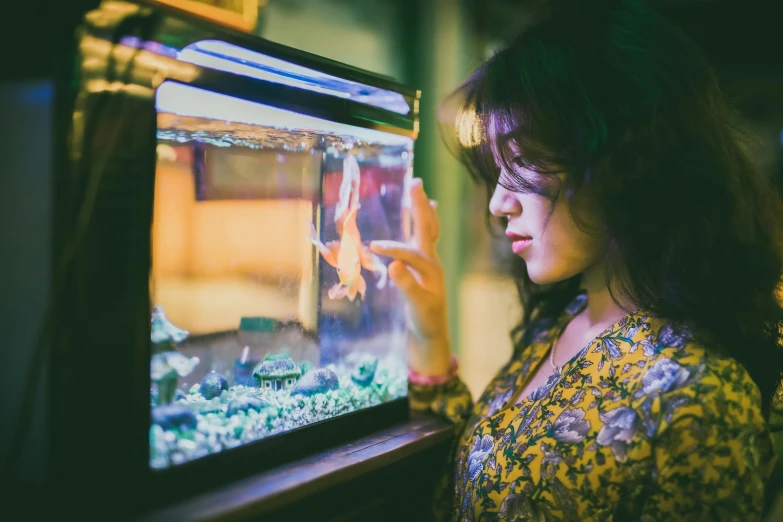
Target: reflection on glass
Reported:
[(269, 311)]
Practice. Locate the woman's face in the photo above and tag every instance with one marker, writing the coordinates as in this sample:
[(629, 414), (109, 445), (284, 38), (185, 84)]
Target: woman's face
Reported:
[(543, 231)]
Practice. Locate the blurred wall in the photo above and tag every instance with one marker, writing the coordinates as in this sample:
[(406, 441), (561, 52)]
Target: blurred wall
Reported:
[(361, 33)]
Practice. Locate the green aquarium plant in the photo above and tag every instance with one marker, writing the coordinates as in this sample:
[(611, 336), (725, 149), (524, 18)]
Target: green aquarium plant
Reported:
[(364, 373)]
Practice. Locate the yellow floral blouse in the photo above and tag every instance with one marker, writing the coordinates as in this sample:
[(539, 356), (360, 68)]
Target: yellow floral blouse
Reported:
[(641, 425)]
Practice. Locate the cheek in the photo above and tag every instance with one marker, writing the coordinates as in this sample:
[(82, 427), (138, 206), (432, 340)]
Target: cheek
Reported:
[(564, 250)]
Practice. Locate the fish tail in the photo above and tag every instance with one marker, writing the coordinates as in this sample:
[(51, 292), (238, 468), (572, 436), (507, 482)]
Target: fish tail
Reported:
[(362, 286)]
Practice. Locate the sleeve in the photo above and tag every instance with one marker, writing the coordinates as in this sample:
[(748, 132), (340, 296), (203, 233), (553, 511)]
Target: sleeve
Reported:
[(712, 453), (450, 400)]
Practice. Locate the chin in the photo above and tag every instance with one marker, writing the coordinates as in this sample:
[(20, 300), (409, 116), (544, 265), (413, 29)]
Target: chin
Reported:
[(543, 279), (545, 275), (539, 276)]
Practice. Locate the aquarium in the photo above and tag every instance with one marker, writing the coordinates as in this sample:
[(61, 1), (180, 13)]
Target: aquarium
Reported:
[(269, 311)]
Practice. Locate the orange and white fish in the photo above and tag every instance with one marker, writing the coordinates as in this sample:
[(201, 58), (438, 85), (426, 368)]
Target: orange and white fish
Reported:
[(348, 254)]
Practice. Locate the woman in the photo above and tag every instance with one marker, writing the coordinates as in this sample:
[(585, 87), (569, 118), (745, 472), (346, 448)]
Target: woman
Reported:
[(649, 258)]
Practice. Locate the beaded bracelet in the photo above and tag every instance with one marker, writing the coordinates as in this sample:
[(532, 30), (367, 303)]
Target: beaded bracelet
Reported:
[(434, 380)]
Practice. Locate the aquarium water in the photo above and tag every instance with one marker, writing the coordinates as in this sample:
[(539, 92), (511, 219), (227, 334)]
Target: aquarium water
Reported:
[(269, 311)]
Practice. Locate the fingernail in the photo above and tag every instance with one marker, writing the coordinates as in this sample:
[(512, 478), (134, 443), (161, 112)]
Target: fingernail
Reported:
[(380, 243)]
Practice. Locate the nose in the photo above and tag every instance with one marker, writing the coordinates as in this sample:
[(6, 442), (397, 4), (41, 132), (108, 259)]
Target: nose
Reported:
[(504, 202)]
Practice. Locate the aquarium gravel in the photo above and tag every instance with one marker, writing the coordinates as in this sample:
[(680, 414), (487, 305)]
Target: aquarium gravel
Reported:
[(216, 432)]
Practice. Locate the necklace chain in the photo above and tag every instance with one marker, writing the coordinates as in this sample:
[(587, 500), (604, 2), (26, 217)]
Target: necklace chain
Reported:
[(552, 356)]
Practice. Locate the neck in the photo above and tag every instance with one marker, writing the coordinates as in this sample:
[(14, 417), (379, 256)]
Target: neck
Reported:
[(601, 308)]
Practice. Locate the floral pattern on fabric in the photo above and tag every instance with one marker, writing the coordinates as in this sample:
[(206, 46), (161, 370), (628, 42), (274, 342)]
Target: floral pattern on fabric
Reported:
[(642, 424)]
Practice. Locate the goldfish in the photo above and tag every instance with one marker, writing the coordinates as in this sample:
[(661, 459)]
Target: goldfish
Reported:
[(348, 254)]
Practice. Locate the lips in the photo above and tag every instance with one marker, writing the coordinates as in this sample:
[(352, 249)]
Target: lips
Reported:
[(516, 237), (518, 242)]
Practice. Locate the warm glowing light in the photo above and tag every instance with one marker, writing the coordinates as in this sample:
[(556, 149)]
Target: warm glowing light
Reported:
[(469, 130), (185, 100), (166, 152)]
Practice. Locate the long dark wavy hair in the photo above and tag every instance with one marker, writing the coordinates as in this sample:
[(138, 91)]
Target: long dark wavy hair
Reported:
[(621, 101)]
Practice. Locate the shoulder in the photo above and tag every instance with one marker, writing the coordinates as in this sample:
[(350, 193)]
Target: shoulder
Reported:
[(684, 385), (709, 446), (672, 361)]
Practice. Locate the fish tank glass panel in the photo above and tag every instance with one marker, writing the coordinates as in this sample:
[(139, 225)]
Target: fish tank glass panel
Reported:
[(270, 313)]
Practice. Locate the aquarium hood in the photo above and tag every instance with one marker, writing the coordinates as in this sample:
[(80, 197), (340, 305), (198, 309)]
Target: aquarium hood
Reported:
[(231, 58), (223, 56)]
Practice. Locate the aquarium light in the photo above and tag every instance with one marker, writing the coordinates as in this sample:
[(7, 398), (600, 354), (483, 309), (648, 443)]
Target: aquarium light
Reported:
[(151, 46), (185, 100), (223, 56), (253, 72)]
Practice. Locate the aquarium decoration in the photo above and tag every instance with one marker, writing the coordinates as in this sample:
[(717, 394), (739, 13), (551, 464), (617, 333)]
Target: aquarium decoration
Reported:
[(212, 385), (364, 373), (245, 403), (257, 332), (196, 426), (167, 364), (174, 416), (276, 372), (320, 380), (243, 369)]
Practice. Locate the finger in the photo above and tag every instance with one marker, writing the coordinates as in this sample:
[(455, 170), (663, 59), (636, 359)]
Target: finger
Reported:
[(435, 221), (406, 282), (418, 195), (408, 254), (422, 219)]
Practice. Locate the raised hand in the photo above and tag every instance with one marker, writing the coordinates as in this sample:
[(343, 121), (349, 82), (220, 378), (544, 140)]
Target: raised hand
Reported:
[(417, 272)]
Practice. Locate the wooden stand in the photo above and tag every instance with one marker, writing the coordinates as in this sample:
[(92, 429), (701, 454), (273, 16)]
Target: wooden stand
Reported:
[(390, 475)]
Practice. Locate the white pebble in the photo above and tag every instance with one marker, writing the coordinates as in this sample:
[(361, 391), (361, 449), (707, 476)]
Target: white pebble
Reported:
[(232, 443), (177, 458), (187, 445), (200, 452)]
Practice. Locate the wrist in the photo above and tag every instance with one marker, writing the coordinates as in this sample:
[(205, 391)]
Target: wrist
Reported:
[(431, 357), (434, 380)]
